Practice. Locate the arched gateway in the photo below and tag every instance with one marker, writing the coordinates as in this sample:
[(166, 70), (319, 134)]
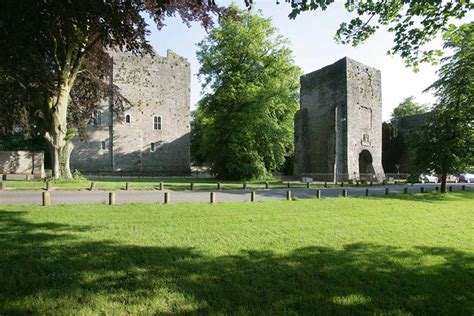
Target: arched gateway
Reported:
[(366, 169)]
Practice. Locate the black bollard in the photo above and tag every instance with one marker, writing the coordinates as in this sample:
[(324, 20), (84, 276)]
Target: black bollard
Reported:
[(111, 198), (318, 194), (212, 197), (252, 196)]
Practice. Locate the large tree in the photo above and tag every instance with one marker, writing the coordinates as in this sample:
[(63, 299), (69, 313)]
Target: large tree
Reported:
[(54, 57), (414, 23), (408, 107), (446, 144), (252, 94)]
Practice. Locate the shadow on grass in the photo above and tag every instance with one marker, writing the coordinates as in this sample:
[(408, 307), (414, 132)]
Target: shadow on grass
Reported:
[(53, 269), (431, 197)]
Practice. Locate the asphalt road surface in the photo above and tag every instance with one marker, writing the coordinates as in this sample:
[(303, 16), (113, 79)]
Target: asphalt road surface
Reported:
[(122, 197)]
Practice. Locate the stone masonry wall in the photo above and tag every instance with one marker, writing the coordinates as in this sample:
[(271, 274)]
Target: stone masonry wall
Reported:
[(322, 98), (340, 116), (22, 162), (155, 86), (364, 120)]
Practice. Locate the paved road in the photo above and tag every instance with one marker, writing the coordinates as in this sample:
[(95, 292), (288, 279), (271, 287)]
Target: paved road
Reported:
[(101, 197)]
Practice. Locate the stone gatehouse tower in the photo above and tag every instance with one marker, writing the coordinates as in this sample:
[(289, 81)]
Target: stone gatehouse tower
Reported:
[(338, 129), (151, 136)]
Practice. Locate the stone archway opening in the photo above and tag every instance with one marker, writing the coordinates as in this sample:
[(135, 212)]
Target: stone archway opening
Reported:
[(366, 169)]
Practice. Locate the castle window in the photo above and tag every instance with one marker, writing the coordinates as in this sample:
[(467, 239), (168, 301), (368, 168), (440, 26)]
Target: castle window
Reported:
[(128, 119), (103, 145), (157, 123), (97, 117), (152, 147)]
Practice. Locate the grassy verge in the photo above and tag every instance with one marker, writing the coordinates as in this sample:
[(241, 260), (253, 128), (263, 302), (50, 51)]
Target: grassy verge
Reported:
[(154, 184), (379, 255)]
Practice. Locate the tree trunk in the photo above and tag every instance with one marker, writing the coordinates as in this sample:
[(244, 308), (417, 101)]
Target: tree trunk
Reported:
[(58, 136), (56, 172), (60, 156), (64, 157), (444, 182)]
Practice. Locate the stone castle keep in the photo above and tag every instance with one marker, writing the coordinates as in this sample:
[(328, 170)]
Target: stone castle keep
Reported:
[(153, 135), (338, 129)]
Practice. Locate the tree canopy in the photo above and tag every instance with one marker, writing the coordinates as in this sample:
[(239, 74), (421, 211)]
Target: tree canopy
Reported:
[(413, 23), (408, 107), (252, 94), (54, 58), (446, 144)]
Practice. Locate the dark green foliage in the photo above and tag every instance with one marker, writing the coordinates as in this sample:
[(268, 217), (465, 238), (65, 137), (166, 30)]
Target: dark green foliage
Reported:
[(408, 107), (246, 117), (18, 141), (197, 156), (446, 143)]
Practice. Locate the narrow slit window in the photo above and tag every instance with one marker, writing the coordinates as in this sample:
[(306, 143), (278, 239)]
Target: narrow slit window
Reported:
[(152, 147), (97, 117), (157, 123), (103, 146), (127, 118)]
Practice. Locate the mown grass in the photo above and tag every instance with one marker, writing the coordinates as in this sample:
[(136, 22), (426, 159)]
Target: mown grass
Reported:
[(154, 184), (380, 255), (139, 184)]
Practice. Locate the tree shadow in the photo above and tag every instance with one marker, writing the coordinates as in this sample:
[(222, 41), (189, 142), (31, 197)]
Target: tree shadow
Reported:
[(431, 197), (48, 266)]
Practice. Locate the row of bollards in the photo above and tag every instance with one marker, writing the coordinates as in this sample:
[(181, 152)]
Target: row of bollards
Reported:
[(46, 197), (128, 186)]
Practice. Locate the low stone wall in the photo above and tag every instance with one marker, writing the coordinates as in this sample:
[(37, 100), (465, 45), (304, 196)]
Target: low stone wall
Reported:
[(22, 162)]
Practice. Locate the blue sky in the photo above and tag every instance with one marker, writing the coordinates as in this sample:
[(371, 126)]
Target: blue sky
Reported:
[(311, 37)]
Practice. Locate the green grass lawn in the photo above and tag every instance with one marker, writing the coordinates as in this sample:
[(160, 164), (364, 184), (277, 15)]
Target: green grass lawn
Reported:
[(153, 184), (411, 254)]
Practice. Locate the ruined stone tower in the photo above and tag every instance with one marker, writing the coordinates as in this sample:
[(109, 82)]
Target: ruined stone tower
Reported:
[(151, 136), (338, 129)]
